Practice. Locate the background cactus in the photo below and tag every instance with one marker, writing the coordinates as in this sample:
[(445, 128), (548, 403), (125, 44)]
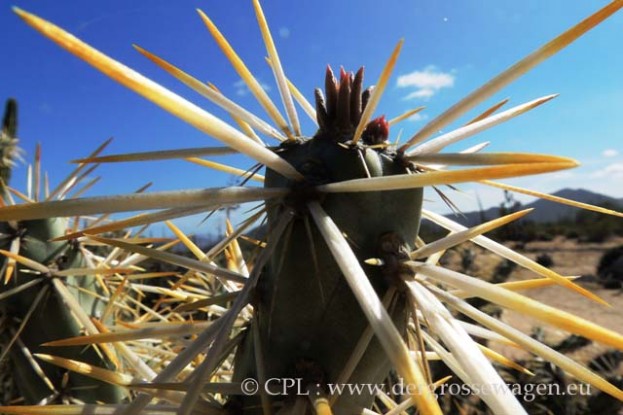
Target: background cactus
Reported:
[(9, 151), (35, 310)]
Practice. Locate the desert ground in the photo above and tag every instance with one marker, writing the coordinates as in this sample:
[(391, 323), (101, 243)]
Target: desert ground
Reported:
[(570, 259)]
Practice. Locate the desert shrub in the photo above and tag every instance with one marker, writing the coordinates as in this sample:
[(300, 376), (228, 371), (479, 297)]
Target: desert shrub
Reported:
[(572, 234), (597, 228), (610, 268), (468, 256), (502, 271), (545, 260)]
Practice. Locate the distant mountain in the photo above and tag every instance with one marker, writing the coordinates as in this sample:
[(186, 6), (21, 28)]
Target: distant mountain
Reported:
[(544, 210)]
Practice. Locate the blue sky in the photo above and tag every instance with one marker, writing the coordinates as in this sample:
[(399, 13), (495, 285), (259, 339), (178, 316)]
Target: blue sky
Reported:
[(451, 47)]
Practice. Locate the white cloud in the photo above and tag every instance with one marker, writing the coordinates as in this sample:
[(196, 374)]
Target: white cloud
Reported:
[(242, 89), (284, 32), (612, 171), (423, 93), (610, 152), (426, 82), (418, 117)]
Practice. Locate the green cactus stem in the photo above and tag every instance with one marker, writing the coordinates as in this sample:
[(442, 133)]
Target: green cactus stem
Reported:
[(309, 320), (38, 313)]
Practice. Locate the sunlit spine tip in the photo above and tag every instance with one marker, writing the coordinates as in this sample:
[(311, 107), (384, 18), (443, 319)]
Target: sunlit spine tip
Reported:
[(376, 262)]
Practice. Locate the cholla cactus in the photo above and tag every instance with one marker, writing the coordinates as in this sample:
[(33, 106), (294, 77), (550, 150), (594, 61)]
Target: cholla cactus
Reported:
[(48, 302), (318, 343), (9, 151), (341, 290)]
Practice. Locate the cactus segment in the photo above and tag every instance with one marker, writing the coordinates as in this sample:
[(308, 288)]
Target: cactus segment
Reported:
[(309, 320), (39, 313)]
